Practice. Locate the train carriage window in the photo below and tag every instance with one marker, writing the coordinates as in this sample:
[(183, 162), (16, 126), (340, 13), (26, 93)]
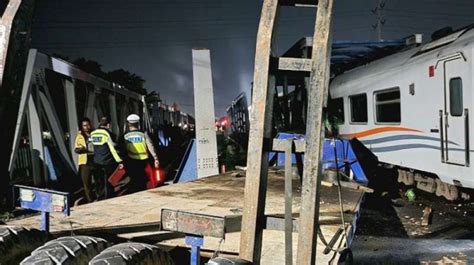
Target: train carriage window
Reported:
[(387, 106), (358, 105), (455, 97)]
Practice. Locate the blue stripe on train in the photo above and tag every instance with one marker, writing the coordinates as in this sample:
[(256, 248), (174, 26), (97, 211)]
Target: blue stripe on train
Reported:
[(404, 137)]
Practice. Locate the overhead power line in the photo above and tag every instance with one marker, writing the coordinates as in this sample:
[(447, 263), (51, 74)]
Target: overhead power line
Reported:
[(156, 43), (173, 21)]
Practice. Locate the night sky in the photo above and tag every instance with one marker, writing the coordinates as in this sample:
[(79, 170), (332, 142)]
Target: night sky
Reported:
[(154, 38)]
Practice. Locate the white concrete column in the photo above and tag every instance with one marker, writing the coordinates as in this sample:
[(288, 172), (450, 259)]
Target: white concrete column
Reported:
[(206, 142)]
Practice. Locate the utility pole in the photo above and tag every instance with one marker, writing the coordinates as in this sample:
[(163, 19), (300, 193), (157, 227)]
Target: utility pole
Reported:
[(378, 12)]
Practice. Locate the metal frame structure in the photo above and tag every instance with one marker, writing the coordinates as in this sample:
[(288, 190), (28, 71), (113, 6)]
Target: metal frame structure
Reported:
[(37, 106), (260, 130), (238, 114), (161, 113)]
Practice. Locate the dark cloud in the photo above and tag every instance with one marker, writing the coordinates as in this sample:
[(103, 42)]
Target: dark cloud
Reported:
[(154, 38)]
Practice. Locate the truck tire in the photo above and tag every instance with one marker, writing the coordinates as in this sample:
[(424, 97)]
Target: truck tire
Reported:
[(17, 242), (132, 253), (67, 250)]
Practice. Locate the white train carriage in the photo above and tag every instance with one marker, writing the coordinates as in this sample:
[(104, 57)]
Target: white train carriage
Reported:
[(414, 109)]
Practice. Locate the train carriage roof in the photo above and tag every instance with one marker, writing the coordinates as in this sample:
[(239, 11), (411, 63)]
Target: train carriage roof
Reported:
[(350, 54), (347, 55), (385, 66)]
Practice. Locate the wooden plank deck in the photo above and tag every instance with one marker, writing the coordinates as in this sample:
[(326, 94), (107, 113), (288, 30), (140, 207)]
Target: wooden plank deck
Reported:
[(221, 196)]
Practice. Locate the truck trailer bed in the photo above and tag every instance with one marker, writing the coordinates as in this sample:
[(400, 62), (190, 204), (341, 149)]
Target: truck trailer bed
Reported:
[(137, 216)]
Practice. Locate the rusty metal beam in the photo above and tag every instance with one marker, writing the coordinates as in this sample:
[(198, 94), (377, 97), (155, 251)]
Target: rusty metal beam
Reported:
[(328, 71), (310, 192), (192, 223), (253, 218), (294, 64), (6, 23), (278, 222), (280, 145)]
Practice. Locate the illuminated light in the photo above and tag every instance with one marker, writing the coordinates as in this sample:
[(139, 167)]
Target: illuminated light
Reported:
[(431, 71)]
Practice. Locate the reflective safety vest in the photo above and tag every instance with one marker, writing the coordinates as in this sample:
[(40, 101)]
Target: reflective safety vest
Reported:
[(104, 148), (81, 143), (135, 144)]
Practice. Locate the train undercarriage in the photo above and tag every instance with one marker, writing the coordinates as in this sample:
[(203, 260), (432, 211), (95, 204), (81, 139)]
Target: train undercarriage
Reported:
[(430, 183)]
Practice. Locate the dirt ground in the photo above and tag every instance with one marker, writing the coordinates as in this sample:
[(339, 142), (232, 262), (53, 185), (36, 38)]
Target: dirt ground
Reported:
[(390, 230)]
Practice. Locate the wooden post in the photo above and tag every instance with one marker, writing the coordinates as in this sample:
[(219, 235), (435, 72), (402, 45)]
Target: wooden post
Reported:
[(310, 192), (260, 126)]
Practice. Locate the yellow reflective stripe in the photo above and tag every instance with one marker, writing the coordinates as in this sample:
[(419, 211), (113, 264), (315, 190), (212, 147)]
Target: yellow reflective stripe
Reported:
[(99, 137), (101, 131), (138, 157), (114, 152), (135, 144), (137, 150), (103, 137)]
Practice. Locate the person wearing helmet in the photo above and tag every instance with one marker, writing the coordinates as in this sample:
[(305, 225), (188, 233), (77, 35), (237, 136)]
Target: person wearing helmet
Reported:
[(137, 145)]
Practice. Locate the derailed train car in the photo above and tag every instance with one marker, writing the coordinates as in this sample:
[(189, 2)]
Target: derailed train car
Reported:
[(413, 110)]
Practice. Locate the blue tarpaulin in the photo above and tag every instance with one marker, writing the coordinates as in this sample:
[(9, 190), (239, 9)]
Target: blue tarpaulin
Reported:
[(345, 155), (346, 158)]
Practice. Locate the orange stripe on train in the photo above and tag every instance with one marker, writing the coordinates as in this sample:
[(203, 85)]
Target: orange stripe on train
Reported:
[(378, 130)]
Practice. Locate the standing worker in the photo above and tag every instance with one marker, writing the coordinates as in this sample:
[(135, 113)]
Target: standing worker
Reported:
[(85, 151), (106, 157), (137, 145)]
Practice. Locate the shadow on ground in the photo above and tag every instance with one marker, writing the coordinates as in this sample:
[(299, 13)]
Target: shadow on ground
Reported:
[(389, 229)]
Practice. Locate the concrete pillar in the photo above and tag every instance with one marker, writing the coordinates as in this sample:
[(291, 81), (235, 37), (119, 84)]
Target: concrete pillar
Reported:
[(206, 142)]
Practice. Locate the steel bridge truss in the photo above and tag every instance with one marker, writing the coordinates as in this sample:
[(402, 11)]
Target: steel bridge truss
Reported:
[(54, 97)]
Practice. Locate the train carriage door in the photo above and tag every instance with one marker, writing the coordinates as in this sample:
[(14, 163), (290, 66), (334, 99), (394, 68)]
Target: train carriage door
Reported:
[(456, 95)]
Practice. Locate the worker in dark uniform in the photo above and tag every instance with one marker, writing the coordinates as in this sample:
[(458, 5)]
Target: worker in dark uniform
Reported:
[(137, 145), (106, 158)]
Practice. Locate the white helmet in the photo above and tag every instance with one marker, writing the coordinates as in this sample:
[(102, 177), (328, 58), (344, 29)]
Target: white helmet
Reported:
[(133, 118)]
